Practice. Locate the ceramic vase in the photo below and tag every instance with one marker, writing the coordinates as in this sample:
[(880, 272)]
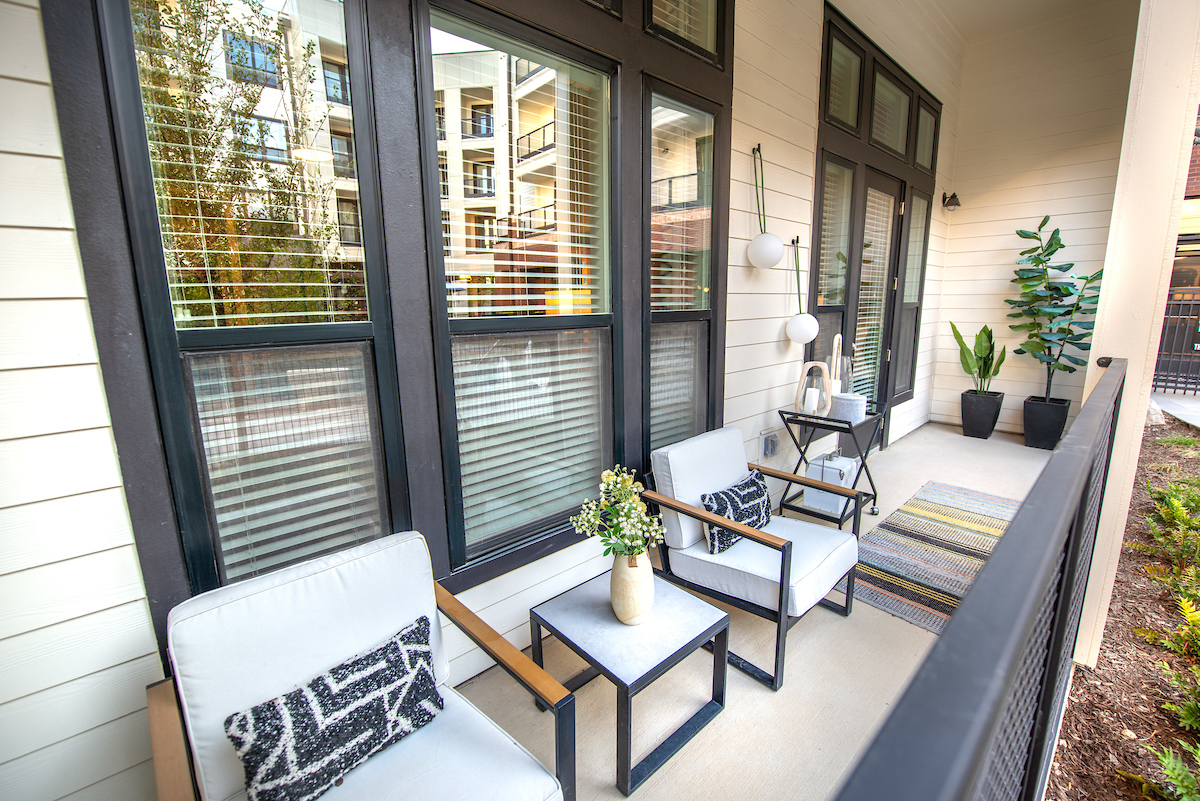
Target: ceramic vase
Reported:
[(632, 589)]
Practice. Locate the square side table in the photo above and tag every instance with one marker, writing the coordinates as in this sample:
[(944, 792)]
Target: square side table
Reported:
[(633, 657)]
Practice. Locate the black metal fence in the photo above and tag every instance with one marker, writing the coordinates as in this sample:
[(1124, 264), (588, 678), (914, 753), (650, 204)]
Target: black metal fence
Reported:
[(980, 718), (1178, 365)]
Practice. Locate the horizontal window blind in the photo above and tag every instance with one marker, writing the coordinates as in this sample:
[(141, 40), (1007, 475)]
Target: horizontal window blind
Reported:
[(245, 171), (835, 234), (872, 290), (681, 176), (534, 425), (693, 20), (291, 453), (678, 381), (536, 163)]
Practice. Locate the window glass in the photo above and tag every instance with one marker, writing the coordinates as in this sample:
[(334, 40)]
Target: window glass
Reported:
[(343, 155), (681, 175), (244, 164), (291, 453), (534, 426), (914, 269), (835, 234), (692, 20), (873, 290), (845, 82), (532, 153), (337, 83), (889, 115), (678, 381), (925, 127)]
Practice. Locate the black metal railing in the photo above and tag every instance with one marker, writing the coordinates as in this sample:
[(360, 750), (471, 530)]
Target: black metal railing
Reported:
[(478, 126), (536, 141), (532, 221), (980, 718), (1178, 366), (479, 186)]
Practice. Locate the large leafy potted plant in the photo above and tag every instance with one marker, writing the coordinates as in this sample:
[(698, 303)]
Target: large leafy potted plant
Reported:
[(1051, 300), (980, 408)]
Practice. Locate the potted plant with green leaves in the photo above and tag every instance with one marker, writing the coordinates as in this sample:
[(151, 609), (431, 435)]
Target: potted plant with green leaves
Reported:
[(980, 407), (1051, 302)]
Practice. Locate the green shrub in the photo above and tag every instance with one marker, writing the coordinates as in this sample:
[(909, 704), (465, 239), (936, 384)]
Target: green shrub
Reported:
[(1188, 683), (1183, 784), (1184, 640), (1178, 440), (1174, 526)]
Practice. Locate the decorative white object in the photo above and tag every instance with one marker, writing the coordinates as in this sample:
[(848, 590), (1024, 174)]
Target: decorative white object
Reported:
[(802, 329), (831, 469), (765, 250), (817, 383), (840, 368), (631, 590)]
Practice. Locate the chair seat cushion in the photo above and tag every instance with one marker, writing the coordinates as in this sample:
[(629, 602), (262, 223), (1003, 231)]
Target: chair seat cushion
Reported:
[(749, 570), (461, 755)]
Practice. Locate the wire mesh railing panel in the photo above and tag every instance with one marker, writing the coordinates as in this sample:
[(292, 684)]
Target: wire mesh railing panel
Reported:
[(1178, 366)]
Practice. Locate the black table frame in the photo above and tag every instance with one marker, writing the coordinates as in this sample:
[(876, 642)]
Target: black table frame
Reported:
[(629, 778), (806, 426)]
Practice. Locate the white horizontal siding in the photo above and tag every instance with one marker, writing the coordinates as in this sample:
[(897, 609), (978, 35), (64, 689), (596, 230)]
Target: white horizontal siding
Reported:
[(76, 644), (1042, 117)]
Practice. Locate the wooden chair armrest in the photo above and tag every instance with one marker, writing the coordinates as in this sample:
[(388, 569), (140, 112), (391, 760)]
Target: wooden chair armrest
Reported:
[(703, 515), (847, 492), (172, 770), (533, 678)]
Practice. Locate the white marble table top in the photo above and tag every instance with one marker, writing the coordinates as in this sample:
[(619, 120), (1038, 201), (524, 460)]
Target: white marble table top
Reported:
[(584, 616)]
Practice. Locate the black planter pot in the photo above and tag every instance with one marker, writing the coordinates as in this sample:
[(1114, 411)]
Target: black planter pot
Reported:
[(1045, 421), (980, 411)]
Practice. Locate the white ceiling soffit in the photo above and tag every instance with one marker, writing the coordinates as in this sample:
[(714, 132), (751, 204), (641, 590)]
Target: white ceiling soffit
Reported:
[(983, 19)]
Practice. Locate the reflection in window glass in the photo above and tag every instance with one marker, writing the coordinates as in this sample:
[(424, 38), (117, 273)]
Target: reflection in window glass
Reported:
[(678, 381), (878, 229), (845, 67), (534, 425), (681, 175), (925, 126), (244, 163), (692, 20), (292, 463), (835, 234), (889, 115), (915, 263), (526, 145)]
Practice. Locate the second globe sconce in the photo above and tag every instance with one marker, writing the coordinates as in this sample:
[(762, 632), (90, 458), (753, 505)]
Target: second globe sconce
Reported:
[(765, 249)]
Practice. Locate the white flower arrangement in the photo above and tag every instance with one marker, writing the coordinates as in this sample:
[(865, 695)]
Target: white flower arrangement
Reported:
[(619, 517)]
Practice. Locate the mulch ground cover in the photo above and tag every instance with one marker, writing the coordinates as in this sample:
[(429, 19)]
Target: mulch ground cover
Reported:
[(1115, 711)]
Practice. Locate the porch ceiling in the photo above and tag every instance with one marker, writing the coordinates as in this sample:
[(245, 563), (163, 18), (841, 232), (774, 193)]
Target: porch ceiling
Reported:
[(984, 19)]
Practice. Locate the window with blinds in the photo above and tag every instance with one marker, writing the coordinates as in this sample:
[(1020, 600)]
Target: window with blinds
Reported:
[(245, 164), (680, 200), (291, 450), (534, 426), (693, 21), (873, 290), (532, 154), (889, 115), (844, 83), (525, 193)]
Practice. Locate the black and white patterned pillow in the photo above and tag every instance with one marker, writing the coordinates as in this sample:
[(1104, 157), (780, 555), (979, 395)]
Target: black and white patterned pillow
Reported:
[(745, 502), (300, 744)]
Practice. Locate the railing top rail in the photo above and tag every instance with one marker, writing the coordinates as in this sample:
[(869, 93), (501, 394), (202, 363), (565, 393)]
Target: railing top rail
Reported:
[(932, 744)]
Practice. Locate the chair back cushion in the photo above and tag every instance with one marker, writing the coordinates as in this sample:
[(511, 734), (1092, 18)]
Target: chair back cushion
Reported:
[(242, 644), (709, 462)]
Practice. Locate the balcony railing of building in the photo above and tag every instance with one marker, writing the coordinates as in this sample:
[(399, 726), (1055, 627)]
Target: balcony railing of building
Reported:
[(681, 191), (479, 186), (478, 126), (536, 141), (980, 718), (1178, 366), (531, 222), (525, 68)]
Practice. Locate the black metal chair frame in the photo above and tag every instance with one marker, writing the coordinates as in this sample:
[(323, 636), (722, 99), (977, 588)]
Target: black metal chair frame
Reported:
[(783, 621)]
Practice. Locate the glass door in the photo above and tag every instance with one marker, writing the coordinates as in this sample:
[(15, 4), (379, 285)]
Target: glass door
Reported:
[(878, 231)]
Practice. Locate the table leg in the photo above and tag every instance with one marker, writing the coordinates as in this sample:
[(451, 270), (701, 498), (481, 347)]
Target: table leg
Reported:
[(624, 739), (720, 665), (535, 651)]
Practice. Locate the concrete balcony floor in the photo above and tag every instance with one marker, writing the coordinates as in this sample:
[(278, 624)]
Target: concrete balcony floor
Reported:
[(842, 676)]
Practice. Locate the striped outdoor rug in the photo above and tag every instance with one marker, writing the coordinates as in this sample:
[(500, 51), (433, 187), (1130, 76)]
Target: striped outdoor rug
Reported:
[(918, 563)]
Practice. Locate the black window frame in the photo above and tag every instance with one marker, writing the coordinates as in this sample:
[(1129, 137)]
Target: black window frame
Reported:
[(833, 32), (716, 58), (342, 74), (858, 149), (343, 170)]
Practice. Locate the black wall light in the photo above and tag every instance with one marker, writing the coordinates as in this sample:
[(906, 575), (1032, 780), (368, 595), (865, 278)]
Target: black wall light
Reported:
[(951, 202)]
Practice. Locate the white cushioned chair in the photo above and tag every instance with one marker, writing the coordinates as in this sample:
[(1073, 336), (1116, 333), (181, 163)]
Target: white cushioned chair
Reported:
[(789, 565), (242, 644)]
